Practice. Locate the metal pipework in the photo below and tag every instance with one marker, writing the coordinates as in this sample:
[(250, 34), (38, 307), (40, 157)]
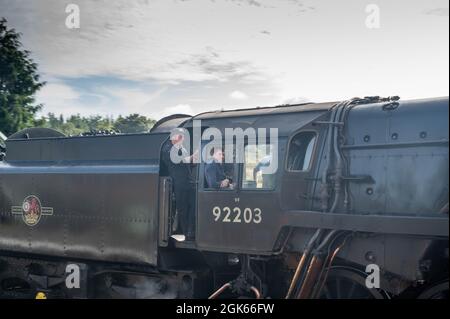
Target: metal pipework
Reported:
[(324, 192), (219, 291), (302, 262), (311, 276), (256, 292), (314, 267), (297, 273), (321, 282)]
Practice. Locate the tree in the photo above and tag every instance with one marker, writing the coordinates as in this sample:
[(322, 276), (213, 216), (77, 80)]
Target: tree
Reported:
[(19, 81), (77, 124), (100, 123), (133, 123)]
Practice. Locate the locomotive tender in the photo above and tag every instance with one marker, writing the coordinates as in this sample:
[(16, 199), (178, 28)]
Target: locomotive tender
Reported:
[(360, 196)]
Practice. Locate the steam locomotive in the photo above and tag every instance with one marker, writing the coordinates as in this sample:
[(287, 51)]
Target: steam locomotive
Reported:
[(358, 208)]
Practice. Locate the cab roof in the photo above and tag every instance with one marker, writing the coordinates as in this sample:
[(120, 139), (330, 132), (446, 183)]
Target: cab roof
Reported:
[(270, 110)]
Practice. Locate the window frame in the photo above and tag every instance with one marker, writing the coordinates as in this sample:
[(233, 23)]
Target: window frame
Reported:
[(241, 177), (313, 153)]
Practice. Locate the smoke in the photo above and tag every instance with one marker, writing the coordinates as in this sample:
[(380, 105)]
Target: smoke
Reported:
[(147, 288)]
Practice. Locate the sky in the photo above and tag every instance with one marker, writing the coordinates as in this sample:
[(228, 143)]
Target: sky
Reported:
[(160, 57)]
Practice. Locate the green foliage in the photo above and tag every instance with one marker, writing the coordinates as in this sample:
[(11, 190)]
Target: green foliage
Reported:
[(19, 81), (133, 123), (76, 124)]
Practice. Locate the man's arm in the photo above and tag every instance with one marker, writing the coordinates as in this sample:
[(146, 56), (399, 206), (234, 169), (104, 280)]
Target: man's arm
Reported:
[(191, 159), (256, 170), (263, 163)]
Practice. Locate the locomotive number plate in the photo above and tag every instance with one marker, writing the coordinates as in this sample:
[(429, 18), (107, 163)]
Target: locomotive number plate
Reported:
[(237, 215)]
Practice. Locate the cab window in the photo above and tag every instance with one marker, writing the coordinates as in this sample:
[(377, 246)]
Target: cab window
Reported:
[(301, 149), (258, 172), (218, 174)]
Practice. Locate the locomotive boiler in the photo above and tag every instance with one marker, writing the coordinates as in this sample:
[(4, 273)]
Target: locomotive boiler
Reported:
[(357, 208)]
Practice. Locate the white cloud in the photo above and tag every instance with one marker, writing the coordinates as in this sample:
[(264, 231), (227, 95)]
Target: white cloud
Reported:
[(132, 100), (323, 54), (137, 40), (442, 12), (57, 91), (59, 98), (295, 100), (238, 95), (177, 109)]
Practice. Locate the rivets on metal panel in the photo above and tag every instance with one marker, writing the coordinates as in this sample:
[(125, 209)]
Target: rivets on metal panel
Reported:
[(369, 191), (233, 260), (423, 134), (394, 136), (367, 138), (370, 256)]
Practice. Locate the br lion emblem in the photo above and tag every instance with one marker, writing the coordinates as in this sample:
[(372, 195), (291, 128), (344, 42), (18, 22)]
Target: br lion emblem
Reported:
[(31, 210)]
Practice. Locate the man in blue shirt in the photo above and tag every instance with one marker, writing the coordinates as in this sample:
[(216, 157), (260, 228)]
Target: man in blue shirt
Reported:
[(215, 173)]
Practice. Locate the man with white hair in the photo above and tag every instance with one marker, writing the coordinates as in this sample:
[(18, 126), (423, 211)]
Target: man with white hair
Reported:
[(183, 183)]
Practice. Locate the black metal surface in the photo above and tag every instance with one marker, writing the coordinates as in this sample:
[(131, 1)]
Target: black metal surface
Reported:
[(36, 132), (347, 283), (396, 186), (102, 216), (431, 225), (106, 194), (100, 195), (261, 111), (407, 157), (86, 149), (168, 123), (285, 123)]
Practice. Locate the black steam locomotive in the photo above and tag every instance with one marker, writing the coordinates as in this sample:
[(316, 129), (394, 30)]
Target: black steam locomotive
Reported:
[(358, 208)]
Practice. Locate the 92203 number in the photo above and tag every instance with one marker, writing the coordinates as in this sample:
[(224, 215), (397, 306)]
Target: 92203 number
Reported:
[(236, 215)]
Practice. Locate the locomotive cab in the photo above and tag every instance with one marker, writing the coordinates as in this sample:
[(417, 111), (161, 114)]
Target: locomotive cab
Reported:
[(274, 174), (269, 176)]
